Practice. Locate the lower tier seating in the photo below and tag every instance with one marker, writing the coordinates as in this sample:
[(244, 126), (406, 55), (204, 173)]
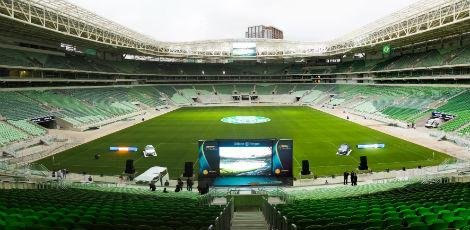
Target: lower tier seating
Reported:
[(108, 209), (416, 206), (9, 133)]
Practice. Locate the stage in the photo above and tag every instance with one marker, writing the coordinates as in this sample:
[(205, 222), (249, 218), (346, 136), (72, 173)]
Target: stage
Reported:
[(227, 181), (256, 162)]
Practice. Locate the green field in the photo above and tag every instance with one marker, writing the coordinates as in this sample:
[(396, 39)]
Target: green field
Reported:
[(316, 136)]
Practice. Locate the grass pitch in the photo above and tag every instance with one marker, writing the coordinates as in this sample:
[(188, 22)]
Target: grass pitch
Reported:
[(316, 135)]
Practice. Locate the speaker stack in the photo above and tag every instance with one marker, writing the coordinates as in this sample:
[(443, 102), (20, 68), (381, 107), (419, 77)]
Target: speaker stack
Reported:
[(188, 169), (363, 164), (305, 168), (129, 167)]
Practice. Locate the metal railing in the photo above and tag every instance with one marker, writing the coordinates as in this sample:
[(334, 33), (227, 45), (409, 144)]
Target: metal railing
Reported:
[(207, 198), (224, 220), (275, 219)]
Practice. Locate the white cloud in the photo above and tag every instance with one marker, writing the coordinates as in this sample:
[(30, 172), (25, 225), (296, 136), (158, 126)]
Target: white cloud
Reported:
[(188, 20)]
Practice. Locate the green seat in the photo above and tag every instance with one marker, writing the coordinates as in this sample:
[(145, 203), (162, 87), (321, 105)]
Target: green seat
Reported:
[(374, 228), (67, 223), (406, 212), (340, 219), (84, 224), (374, 223), (304, 223), (355, 224), (423, 211), (48, 221), (391, 214), (393, 227), (312, 227), (437, 209), (165, 228), (358, 217), (462, 213), (393, 221), (375, 210), (179, 228), (30, 220), (334, 226), (375, 216), (418, 226), (409, 219), (438, 225), (445, 215), (457, 222), (429, 218), (15, 226)]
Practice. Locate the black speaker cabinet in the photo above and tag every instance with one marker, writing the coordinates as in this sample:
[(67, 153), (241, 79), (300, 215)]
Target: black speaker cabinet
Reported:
[(305, 168), (129, 167), (188, 169), (363, 164)]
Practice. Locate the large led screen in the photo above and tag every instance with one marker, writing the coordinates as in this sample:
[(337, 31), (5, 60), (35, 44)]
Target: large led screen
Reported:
[(245, 161)]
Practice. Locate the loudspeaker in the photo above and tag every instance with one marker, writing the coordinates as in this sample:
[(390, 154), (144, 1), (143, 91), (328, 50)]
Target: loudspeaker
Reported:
[(363, 164), (305, 168), (188, 169), (130, 167)]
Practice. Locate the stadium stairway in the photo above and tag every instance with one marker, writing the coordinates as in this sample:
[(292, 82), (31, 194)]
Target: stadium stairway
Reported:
[(248, 221)]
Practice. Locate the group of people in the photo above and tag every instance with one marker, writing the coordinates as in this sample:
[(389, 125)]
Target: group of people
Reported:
[(179, 185), (60, 174), (353, 178), (189, 184), (411, 126)]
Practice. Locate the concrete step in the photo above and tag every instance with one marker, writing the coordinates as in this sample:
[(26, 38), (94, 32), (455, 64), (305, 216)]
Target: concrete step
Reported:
[(248, 221)]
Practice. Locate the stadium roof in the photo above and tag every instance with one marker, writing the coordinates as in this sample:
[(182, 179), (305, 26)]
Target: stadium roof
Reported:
[(424, 20)]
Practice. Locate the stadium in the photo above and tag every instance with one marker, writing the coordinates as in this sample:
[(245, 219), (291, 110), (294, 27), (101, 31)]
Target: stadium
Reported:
[(103, 127)]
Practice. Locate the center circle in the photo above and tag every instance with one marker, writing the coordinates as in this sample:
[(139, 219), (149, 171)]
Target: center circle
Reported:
[(245, 120)]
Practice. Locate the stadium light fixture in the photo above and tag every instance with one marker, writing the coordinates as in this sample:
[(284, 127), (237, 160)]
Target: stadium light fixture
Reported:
[(123, 149), (370, 146)]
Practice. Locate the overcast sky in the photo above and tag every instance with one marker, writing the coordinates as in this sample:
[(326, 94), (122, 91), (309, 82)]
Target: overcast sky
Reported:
[(189, 20)]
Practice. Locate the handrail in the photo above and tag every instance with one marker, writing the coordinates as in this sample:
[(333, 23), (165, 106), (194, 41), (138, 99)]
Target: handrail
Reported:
[(274, 218), (224, 220)]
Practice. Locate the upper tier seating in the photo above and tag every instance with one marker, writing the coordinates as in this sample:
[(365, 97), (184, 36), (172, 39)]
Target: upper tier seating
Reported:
[(73, 61), (433, 57)]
